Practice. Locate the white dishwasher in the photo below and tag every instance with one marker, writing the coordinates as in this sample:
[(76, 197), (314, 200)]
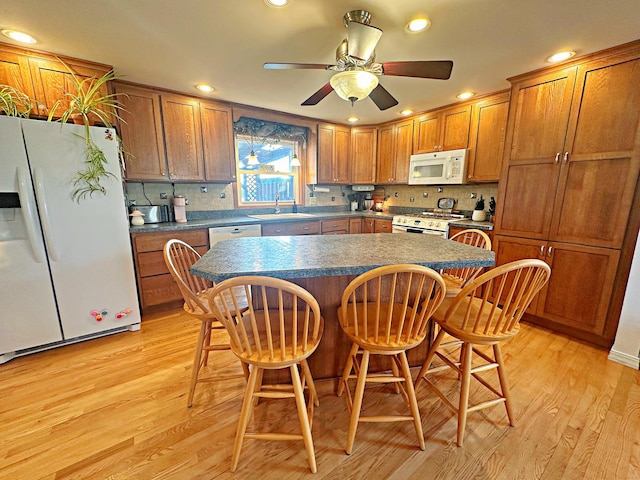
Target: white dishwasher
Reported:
[(217, 234)]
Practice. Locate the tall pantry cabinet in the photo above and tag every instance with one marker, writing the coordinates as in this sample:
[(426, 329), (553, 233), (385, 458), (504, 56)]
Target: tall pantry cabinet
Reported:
[(569, 178)]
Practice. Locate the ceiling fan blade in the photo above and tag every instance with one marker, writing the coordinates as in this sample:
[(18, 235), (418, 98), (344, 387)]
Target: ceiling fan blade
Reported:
[(382, 98), (438, 69), (362, 40), (319, 95), (294, 66)]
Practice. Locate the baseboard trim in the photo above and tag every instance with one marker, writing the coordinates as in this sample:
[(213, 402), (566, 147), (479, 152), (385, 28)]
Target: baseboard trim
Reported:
[(624, 359)]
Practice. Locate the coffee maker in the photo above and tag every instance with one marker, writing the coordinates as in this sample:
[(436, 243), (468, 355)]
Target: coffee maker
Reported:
[(365, 201)]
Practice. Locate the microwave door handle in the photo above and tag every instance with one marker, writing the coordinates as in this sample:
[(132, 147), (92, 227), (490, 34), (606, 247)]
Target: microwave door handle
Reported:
[(29, 216), (449, 166)]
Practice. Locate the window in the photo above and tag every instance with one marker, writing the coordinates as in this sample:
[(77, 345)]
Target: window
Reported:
[(267, 154)]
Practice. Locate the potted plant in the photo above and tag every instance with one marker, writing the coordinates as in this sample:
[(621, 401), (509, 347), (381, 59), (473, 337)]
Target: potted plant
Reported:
[(479, 215), (14, 103), (87, 104)]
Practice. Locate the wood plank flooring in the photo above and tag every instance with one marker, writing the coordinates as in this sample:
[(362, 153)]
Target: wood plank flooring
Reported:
[(115, 408)]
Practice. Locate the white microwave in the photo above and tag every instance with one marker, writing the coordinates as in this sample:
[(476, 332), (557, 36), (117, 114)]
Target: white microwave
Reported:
[(439, 168)]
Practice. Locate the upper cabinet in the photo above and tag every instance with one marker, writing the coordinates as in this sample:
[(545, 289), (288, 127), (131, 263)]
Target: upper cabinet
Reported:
[(443, 129), (363, 154), (394, 152), (175, 137), (44, 77), (486, 140), (334, 143)]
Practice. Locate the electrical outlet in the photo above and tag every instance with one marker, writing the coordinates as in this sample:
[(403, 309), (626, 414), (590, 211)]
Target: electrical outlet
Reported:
[(204, 189), (411, 199), (223, 195), (440, 189), (425, 194), (186, 201), (132, 203), (396, 194), (333, 199), (163, 196), (313, 201), (474, 195)]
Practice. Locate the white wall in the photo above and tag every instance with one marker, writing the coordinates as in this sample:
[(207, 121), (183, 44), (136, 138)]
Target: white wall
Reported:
[(626, 348)]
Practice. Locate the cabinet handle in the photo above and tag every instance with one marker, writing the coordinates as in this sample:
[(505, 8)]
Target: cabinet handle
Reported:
[(549, 251), (565, 157), (542, 250), (306, 228), (557, 160)]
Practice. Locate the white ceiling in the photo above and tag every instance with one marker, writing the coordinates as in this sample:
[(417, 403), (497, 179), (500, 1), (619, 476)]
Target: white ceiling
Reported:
[(176, 44)]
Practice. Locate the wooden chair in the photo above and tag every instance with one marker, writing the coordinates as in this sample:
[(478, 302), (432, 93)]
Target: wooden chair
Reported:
[(281, 329), (487, 311), (386, 311), (179, 257), (456, 278)]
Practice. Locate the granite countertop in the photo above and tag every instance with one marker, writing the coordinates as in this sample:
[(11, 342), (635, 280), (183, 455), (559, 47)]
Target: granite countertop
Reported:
[(468, 223), (238, 220), (332, 255)]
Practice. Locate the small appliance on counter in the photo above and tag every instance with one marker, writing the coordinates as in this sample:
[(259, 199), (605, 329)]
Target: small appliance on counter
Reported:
[(152, 213), (179, 209)]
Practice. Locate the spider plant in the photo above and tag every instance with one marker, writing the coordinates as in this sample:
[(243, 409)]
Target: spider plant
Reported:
[(86, 103), (13, 102)]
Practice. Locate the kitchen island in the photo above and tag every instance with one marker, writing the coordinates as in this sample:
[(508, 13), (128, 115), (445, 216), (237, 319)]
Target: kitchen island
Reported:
[(325, 264)]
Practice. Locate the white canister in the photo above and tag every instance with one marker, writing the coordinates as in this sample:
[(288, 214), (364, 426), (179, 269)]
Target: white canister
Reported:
[(179, 209), (354, 206), (137, 218)]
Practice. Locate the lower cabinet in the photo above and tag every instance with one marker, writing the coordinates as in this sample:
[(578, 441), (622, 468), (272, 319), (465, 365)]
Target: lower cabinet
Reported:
[(335, 226), (576, 299), (355, 225), (156, 287), (376, 225)]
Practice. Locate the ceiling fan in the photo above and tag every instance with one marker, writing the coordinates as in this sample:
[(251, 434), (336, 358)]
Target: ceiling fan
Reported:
[(358, 72)]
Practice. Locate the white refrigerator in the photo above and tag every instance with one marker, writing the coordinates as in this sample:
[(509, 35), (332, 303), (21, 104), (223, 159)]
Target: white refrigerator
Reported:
[(66, 268)]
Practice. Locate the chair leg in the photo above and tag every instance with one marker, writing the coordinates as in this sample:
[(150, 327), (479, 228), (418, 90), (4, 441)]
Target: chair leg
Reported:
[(347, 370), (467, 350), (245, 370), (207, 342), (303, 417), (357, 400), (313, 393), (396, 373), (245, 414), (197, 360), (504, 383), (413, 402), (429, 359)]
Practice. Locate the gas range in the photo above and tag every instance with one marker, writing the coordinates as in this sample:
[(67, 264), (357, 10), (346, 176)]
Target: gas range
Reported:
[(432, 222)]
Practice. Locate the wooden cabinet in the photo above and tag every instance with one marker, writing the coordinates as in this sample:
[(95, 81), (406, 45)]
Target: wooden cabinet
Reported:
[(368, 225), (394, 152), (355, 225), (569, 177), (486, 139), (576, 299), (291, 228), (363, 155), (334, 143), (376, 225), (334, 226), (44, 77), (176, 138), (156, 288), (443, 129)]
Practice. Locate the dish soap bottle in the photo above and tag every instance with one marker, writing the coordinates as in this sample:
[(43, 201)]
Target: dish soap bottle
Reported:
[(295, 206)]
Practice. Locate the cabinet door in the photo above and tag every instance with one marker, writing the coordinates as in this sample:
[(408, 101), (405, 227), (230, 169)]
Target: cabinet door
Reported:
[(386, 159), (403, 149), (580, 286), (455, 128), (341, 170), (600, 170), (141, 134), (51, 79), (355, 225), (363, 154), (14, 71), (368, 225), (183, 137), (326, 144), (486, 141), (217, 142), (426, 133), (382, 225)]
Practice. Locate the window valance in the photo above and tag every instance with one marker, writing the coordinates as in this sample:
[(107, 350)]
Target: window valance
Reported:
[(268, 132)]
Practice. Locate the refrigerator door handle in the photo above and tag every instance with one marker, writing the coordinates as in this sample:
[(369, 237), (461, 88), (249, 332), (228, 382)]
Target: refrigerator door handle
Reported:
[(44, 216), (29, 216)]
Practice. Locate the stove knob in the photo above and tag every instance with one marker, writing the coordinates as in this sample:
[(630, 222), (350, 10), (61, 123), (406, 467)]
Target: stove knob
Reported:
[(437, 225), (430, 224)]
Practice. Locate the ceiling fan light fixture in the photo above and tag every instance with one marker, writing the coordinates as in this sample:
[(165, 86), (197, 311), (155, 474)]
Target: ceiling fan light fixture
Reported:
[(276, 3), (19, 36), (560, 56), (418, 24), (354, 85)]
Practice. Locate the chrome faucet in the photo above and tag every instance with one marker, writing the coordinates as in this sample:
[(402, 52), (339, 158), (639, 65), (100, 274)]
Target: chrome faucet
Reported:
[(277, 209)]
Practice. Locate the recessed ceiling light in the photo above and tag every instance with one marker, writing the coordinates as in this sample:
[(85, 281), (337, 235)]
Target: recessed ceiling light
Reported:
[(352, 119), (406, 112), (465, 95), (418, 24), (276, 3), (19, 36), (203, 87), (560, 56)]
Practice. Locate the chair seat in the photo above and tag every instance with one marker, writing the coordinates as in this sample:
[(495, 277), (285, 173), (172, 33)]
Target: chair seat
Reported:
[(196, 310), (379, 344)]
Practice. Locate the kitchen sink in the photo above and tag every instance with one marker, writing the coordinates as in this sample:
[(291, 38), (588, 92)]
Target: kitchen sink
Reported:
[(275, 216)]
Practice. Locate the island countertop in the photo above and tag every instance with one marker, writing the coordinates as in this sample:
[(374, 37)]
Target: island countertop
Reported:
[(290, 257)]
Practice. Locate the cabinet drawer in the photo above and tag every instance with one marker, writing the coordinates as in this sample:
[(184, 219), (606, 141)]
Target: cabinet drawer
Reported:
[(158, 289), (152, 263), (382, 226), (335, 226), (291, 228), (150, 242)]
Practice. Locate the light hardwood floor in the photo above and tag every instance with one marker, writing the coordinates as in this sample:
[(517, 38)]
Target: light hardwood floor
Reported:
[(115, 408)]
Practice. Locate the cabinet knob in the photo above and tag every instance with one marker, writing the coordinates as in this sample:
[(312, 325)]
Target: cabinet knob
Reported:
[(557, 158), (565, 157)]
